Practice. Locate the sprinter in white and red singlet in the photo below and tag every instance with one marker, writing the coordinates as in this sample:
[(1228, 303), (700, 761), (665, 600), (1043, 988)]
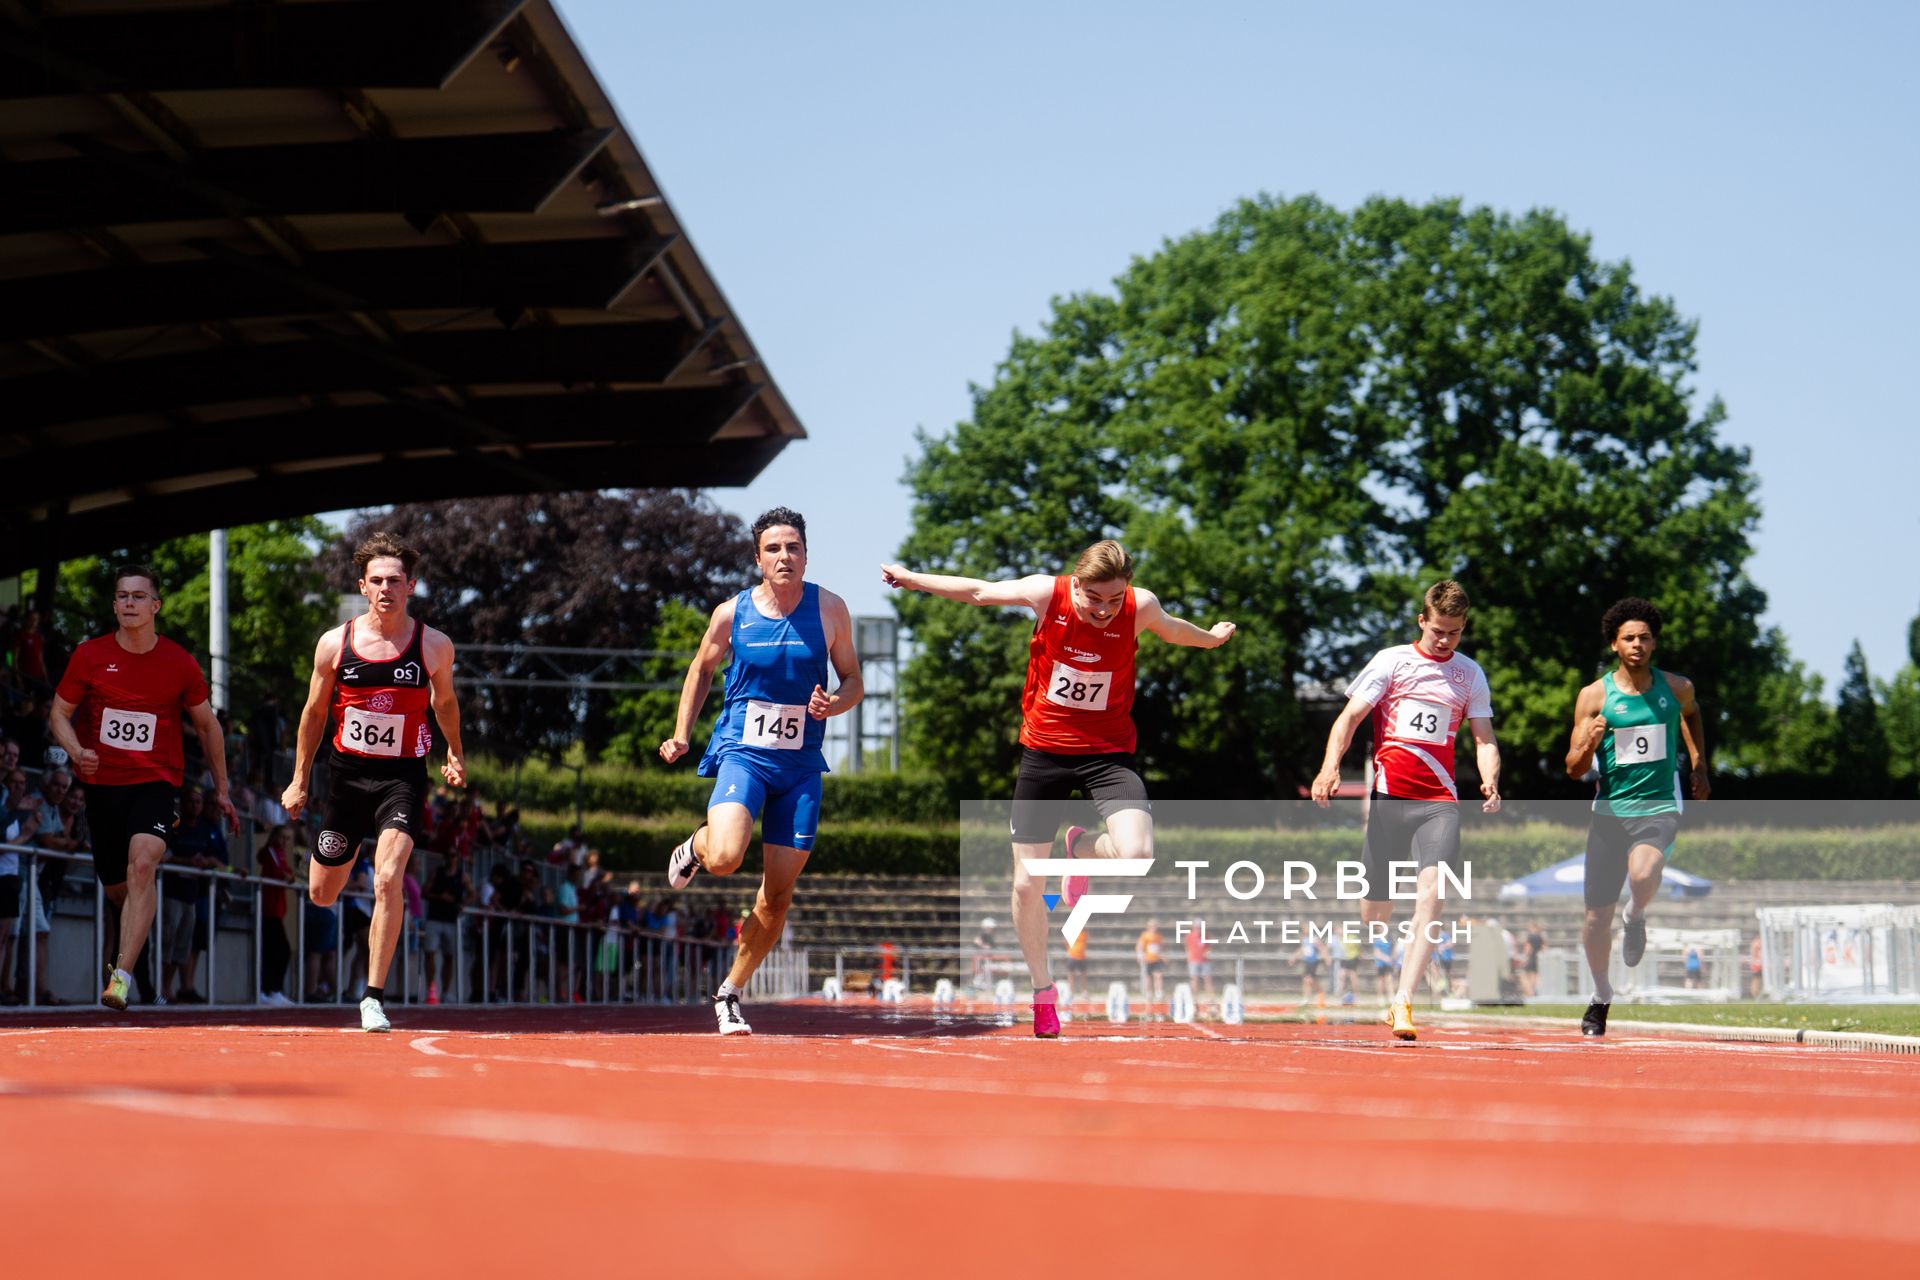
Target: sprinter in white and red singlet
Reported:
[(376, 678), (1417, 696), (1076, 730), (117, 714)]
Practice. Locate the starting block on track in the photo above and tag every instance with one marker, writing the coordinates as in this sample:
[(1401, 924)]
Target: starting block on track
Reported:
[(830, 989), (1003, 991), (1182, 1006), (1117, 1002), (943, 993), (1063, 999), (893, 991), (1233, 1006)]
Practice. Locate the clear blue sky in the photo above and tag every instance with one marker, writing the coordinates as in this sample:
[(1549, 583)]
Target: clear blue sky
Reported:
[(886, 192)]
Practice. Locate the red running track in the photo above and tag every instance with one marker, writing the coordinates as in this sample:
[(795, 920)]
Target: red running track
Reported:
[(848, 1141)]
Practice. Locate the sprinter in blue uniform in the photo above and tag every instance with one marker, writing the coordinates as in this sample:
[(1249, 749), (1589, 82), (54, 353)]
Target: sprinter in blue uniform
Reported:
[(765, 756)]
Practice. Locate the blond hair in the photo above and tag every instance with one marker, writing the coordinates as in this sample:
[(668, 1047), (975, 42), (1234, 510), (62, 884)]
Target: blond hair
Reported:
[(1104, 561), (1446, 599)]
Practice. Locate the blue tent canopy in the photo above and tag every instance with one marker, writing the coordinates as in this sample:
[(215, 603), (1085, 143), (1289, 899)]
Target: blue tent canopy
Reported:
[(1569, 876)]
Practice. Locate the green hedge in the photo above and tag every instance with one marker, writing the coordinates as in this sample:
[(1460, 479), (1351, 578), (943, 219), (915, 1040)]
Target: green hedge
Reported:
[(870, 848), (845, 848), (886, 798)]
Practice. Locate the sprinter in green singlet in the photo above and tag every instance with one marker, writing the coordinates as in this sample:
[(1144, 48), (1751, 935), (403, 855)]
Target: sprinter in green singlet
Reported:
[(1635, 719)]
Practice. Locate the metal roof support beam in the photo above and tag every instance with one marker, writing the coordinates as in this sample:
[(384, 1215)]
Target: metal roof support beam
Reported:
[(415, 177), (652, 417), (369, 44), (642, 352), (588, 274), (375, 481)]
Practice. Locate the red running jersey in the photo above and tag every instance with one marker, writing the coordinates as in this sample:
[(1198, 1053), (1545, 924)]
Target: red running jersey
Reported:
[(1079, 695), (127, 708), (380, 708)]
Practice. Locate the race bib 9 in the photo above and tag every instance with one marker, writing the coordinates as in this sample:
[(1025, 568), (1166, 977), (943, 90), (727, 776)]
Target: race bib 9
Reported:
[(371, 733), (128, 730), (1642, 744), (1080, 690), (777, 726), (1422, 721)]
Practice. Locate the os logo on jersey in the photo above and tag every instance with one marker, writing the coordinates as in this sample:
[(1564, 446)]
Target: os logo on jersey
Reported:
[(380, 702), (331, 844), (407, 673)]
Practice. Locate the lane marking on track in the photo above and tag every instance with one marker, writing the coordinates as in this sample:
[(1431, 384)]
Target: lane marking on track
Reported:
[(932, 1051), (1178, 1166), (1520, 1119)]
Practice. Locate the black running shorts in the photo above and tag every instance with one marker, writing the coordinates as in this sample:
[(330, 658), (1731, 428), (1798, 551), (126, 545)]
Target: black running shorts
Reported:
[(116, 815), (1610, 839), (1422, 831), (1047, 781), (360, 806)]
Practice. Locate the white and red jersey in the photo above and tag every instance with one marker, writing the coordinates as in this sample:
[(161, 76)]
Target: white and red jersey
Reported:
[(127, 708), (1419, 702), (1079, 695), (380, 708)]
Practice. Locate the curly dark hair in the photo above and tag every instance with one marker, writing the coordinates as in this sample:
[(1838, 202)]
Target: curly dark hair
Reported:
[(1631, 609), (776, 517)]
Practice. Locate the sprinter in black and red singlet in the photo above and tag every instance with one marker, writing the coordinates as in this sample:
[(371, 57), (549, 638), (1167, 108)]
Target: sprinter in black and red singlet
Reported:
[(1076, 730), (376, 678)]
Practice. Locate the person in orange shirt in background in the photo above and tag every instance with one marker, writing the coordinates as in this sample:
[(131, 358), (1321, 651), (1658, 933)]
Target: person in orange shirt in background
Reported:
[(1149, 950), (1199, 966), (1077, 966)]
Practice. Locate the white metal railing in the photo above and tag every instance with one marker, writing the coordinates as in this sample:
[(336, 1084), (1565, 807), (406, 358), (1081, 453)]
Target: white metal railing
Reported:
[(498, 957), (1865, 952)]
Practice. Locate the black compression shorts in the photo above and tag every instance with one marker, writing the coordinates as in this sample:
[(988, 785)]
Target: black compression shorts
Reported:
[(1048, 780), (116, 815), (359, 807)]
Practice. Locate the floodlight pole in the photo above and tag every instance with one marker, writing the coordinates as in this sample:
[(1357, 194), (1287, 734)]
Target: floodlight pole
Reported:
[(217, 615)]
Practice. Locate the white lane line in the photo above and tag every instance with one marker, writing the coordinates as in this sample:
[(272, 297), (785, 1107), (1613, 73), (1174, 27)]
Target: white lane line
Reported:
[(1518, 1119), (1469, 1177)]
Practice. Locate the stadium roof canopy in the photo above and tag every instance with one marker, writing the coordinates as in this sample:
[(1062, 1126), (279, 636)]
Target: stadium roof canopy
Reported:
[(265, 259)]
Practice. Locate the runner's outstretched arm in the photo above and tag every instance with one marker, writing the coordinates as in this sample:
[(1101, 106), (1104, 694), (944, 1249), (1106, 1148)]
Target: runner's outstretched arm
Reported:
[(1033, 591), (1154, 617)]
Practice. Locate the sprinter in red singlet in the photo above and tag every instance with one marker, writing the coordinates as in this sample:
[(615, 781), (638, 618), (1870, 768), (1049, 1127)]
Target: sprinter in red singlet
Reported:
[(1076, 730), (118, 715), (376, 678)]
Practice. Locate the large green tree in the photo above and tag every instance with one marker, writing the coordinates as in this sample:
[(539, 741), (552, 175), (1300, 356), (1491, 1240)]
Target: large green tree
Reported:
[(1295, 418), (1860, 742), (1793, 732)]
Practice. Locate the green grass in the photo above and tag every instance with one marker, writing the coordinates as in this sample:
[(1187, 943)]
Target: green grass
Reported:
[(1885, 1019)]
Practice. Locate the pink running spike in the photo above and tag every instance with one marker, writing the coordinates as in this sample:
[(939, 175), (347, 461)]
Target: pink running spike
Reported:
[(1046, 1018)]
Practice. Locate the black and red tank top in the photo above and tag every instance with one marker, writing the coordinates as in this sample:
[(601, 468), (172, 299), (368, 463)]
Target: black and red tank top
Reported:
[(1079, 694), (380, 708)]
